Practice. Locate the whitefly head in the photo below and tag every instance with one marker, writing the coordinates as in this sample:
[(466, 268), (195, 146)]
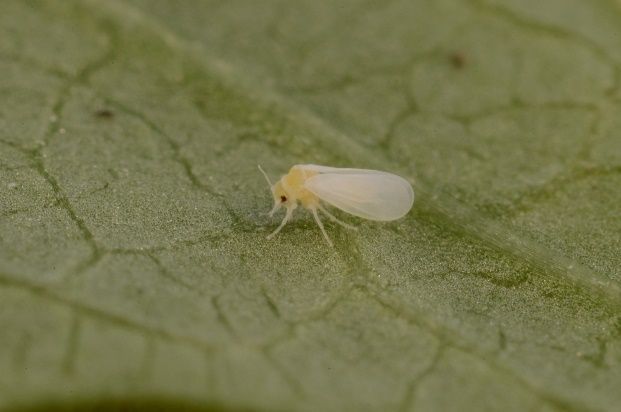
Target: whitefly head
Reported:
[(281, 198)]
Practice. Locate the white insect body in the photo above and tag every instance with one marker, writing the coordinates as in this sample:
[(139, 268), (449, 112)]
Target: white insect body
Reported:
[(370, 194)]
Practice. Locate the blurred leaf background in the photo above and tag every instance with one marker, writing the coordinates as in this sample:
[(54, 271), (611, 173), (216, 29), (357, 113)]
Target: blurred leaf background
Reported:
[(134, 270)]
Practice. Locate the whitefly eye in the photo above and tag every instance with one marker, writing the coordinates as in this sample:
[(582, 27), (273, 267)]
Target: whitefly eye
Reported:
[(283, 199)]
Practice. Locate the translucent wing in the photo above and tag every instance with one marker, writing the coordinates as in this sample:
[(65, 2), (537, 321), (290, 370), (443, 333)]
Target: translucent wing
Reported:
[(337, 170), (369, 194)]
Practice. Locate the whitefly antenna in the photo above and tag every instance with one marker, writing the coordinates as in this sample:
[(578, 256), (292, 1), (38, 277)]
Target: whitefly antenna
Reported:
[(276, 204), (269, 182)]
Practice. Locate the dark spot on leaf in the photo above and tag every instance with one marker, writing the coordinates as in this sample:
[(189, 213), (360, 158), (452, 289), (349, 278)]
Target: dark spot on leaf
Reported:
[(458, 59), (104, 114)]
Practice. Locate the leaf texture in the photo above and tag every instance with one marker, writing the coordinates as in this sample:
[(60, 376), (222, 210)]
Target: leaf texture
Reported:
[(134, 270)]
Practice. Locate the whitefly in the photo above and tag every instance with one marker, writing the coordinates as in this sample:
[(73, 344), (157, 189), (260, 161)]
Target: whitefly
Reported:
[(369, 194)]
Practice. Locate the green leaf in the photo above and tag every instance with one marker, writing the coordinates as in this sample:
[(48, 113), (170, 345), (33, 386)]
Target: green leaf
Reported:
[(134, 269)]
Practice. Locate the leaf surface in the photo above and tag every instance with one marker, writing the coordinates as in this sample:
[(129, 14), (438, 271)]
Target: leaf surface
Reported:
[(134, 269)]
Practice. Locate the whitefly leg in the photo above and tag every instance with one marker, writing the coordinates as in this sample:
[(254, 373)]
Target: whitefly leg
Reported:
[(282, 224), (335, 219), (316, 216), (274, 209)]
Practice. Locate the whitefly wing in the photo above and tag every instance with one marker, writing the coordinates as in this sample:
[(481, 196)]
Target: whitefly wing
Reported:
[(337, 170), (369, 194)]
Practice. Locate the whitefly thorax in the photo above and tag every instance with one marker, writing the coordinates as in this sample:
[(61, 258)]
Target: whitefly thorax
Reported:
[(293, 186)]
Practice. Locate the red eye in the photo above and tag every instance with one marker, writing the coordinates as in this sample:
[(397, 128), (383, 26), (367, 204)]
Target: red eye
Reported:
[(283, 198)]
